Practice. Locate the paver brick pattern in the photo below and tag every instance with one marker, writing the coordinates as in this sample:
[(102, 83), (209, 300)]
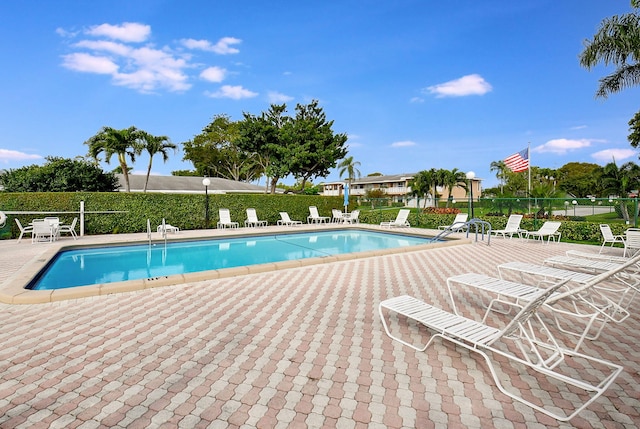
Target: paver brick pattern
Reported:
[(302, 347)]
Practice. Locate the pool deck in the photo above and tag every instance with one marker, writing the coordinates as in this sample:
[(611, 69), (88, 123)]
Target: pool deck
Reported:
[(291, 347)]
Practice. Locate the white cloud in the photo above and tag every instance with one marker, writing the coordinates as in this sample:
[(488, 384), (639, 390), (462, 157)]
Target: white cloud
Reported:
[(213, 74), (89, 63), (416, 100), (222, 47), (472, 84), (127, 32), (609, 155), (7, 156), (105, 45), (562, 146), (233, 92), (276, 97), (404, 143)]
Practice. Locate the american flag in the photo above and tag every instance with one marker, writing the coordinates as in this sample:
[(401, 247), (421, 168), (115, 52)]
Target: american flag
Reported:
[(518, 161)]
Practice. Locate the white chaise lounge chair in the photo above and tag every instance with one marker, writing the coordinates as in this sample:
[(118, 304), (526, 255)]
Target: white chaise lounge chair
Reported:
[(225, 219), (512, 227), (286, 220), (459, 223), (252, 219), (631, 242), (23, 229), (532, 345), (314, 216), (609, 237), (549, 229), (400, 221)]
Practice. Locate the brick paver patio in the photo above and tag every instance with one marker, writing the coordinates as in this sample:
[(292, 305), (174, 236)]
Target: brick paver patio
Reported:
[(296, 348)]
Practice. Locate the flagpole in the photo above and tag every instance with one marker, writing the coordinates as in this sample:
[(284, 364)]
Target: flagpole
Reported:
[(529, 169)]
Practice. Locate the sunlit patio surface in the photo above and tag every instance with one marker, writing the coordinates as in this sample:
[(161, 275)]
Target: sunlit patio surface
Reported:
[(292, 347)]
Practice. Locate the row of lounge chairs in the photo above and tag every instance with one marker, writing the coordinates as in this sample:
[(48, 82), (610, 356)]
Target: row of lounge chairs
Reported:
[(314, 217), (575, 295)]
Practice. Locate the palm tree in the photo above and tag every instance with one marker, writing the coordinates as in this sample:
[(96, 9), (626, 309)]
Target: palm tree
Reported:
[(501, 170), (616, 42), (621, 181), (154, 145), (349, 166), (452, 179), (126, 142), (422, 183)]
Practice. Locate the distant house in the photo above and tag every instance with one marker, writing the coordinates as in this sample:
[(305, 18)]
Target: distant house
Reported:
[(187, 185), (396, 188)]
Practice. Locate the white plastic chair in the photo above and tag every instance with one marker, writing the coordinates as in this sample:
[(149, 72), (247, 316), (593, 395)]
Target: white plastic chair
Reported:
[(609, 237), (459, 223), (23, 229), (525, 340), (252, 219), (354, 217), (314, 216), (225, 219), (43, 231), (631, 242), (512, 227), (337, 216), (400, 221), (286, 220), (70, 229), (548, 229)]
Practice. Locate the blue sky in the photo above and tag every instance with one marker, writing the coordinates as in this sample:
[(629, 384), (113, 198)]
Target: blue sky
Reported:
[(414, 84)]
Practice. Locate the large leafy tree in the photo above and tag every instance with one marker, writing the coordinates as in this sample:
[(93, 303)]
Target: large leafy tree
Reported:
[(59, 175), (125, 143), (214, 152), (156, 145), (580, 179), (262, 136), (313, 147)]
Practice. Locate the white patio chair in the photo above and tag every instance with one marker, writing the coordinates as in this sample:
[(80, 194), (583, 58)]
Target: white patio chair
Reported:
[(512, 227), (225, 219), (164, 228), (400, 221), (459, 223), (354, 217), (609, 237), (23, 229), (549, 229), (337, 216), (532, 345), (314, 216), (286, 220), (252, 219), (70, 229), (631, 242), (43, 231)]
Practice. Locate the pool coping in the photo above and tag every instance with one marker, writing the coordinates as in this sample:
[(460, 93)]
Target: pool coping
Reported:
[(13, 289)]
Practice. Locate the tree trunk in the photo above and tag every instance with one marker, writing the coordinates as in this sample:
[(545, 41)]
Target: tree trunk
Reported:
[(146, 181)]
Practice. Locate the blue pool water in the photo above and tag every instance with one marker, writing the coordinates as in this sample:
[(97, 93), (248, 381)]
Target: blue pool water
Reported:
[(90, 266)]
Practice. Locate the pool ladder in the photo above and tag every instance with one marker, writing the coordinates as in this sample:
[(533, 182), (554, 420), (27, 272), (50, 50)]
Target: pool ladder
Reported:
[(480, 226)]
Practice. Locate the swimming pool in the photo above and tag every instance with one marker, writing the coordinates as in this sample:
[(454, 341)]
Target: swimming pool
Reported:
[(90, 266)]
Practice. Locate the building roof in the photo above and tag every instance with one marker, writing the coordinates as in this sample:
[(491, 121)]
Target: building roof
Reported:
[(187, 185), (378, 179)]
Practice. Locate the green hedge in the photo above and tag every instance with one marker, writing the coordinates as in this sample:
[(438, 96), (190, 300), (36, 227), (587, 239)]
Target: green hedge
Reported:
[(188, 212), (182, 210)]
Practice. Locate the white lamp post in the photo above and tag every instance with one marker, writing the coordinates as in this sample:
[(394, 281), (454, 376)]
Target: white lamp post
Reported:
[(206, 182), (470, 176), (593, 206), (575, 203)]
